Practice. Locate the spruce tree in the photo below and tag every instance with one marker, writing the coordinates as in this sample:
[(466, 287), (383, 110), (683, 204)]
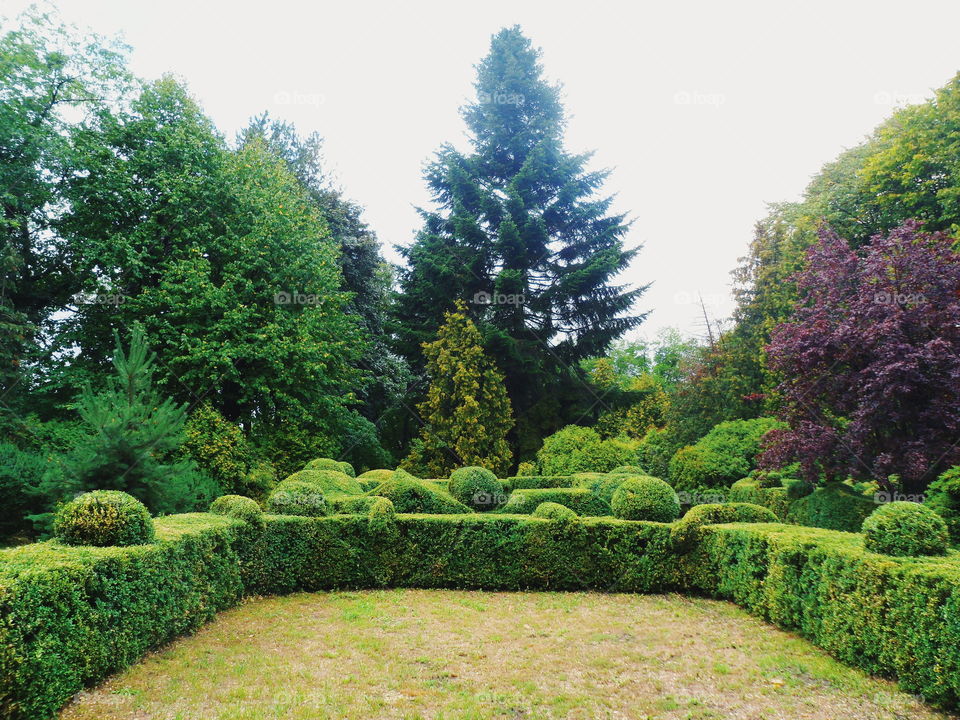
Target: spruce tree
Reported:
[(467, 413), (519, 220)]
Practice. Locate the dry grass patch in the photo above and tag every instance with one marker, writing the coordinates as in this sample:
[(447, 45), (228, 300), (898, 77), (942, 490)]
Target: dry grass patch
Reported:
[(449, 654)]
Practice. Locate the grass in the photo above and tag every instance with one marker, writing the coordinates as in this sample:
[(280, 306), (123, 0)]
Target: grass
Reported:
[(448, 654)]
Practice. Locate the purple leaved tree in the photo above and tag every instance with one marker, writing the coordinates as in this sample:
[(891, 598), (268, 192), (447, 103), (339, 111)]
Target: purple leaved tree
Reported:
[(870, 361)]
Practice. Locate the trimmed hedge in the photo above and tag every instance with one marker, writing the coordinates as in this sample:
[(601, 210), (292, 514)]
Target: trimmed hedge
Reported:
[(331, 482), (239, 508), (686, 531), (749, 491), (643, 497), (476, 487), (835, 506), (603, 486), (103, 518), (70, 616), (294, 497), (537, 482), (554, 511), (329, 464), (905, 529), (412, 495), (581, 500)]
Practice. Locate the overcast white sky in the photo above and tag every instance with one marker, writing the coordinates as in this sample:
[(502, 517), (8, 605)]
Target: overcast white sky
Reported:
[(705, 111)]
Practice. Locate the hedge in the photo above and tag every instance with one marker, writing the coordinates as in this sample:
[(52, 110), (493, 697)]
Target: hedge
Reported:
[(536, 482), (835, 506), (71, 615), (749, 491), (581, 500)]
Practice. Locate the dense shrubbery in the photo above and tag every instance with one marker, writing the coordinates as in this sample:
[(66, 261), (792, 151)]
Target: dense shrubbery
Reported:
[(601, 485), (104, 518), (749, 491), (378, 475), (686, 532), (581, 500), (943, 497), (654, 452), (835, 506), (476, 487), (554, 511), (645, 498), (905, 528), (239, 508), (296, 497), (328, 464), (580, 449), (413, 495), (531, 482), (331, 482)]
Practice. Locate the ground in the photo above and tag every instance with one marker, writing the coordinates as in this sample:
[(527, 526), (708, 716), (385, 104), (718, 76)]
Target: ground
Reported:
[(448, 654)]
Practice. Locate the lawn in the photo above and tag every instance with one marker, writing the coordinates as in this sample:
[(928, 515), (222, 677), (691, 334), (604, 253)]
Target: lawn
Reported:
[(450, 654)]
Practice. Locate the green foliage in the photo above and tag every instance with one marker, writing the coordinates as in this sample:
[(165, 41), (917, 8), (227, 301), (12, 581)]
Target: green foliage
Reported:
[(797, 488), (554, 511), (412, 495), (330, 482), (296, 497), (655, 450), (943, 497), (749, 491), (218, 447), (628, 470), (477, 488), (580, 449), (20, 475), (381, 516), (378, 475), (687, 531), (350, 504), (721, 457), (645, 498), (602, 485), (530, 482), (835, 506), (328, 464), (239, 508), (466, 413), (905, 529), (581, 500), (103, 518), (259, 480)]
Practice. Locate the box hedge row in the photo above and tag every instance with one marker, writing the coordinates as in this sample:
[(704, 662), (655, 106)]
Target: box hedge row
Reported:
[(71, 615)]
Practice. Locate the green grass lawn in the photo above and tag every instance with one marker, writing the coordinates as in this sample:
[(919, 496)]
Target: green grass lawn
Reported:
[(449, 654)]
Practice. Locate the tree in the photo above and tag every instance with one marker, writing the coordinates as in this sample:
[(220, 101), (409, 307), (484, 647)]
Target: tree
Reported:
[(871, 361), (466, 414), (135, 433), (519, 223)]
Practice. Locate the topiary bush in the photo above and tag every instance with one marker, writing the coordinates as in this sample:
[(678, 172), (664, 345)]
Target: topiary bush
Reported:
[(329, 464), (382, 514), (413, 495), (379, 475), (686, 532), (580, 449), (104, 518), (943, 497), (835, 506), (295, 497), (554, 511), (645, 498), (240, 508), (747, 491), (581, 500), (260, 480), (476, 487), (905, 529), (529, 482), (331, 482)]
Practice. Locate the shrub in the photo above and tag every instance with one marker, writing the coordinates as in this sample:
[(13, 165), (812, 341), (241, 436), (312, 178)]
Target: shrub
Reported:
[(905, 529), (747, 491), (295, 497), (331, 482), (601, 485), (103, 518), (328, 464), (686, 532), (378, 475), (218, 446), (721, 457), (581, 500), (943, 497), (628, 470), (381, 514), (526, 469), (645, 498), (412, 495), (530, 482), (476, 487), (655, 450), (797, 488), (259, 480), (240, 508), (350, 504), (835, 506), (580, 449), (19, 471), (554, 511)]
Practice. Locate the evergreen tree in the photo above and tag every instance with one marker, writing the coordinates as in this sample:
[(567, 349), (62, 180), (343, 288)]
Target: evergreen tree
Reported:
[(135, 433), (467, 413), (519, 221)]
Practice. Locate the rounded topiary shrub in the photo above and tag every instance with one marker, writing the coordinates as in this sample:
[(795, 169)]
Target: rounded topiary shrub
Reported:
[(330, 464), (554, 511), (102, 518), (293, 497), (645, 498), (476, 487), (239, 507), (330, 482), (379, 475), (905, 529)]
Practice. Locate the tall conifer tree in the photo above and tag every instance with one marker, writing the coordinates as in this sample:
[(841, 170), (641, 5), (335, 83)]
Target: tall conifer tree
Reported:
[(519, 221)]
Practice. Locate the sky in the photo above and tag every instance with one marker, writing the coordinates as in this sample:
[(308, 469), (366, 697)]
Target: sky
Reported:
[(705, 112)]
